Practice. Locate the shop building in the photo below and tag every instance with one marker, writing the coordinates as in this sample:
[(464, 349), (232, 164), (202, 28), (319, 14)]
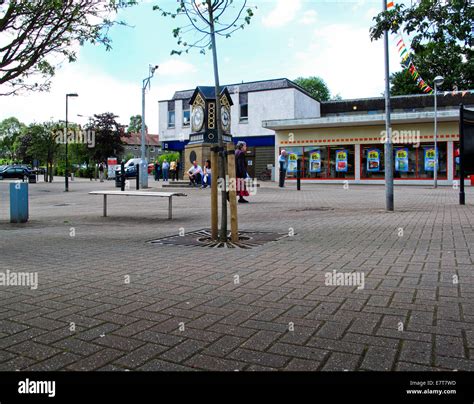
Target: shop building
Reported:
[(346, 141), (253, 102)]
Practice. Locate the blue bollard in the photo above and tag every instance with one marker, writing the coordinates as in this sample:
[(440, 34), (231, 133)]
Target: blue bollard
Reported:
[(19, 202)]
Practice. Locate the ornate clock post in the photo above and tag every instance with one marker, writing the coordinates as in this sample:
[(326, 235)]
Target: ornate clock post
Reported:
[(204, 136)]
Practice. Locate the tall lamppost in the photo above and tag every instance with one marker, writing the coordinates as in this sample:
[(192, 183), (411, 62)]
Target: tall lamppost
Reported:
[(143, 165), (66, 175), (438, 81)]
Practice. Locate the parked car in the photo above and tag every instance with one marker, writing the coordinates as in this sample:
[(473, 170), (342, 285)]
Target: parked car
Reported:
[(15, 172), (130, 171)]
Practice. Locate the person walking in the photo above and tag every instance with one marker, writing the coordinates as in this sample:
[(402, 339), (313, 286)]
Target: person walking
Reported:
[(176, 173), (241, 171), (101, 171), (165, 169), (283, 163)]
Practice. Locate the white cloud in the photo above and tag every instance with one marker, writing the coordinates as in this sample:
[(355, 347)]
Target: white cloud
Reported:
[(309, 17), (284, 12), (347, 60), (174, 67), (98, 93)]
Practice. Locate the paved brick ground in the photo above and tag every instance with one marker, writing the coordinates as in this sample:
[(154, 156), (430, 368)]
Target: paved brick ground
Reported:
[(182, 309)]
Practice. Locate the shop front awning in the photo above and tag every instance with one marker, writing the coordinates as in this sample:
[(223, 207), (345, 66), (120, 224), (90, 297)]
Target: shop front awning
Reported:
[(360, 120)]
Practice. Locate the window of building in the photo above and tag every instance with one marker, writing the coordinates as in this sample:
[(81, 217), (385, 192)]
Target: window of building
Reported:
[(315, 162), (171, 114), (341, 162), (426, 159), (186, 113), (243, 107), (456, 160), (373, 161)]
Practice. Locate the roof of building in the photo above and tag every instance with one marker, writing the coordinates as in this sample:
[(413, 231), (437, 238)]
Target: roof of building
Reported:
[(134, 139), (415, 101), (360, 120), (252, 86)]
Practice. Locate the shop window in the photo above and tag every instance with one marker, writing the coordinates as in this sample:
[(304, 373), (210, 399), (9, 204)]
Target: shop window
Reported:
[(426, 160), (294, 153), (456, 160), (341, 161), (315, 162), (373, 165), (405, 161)]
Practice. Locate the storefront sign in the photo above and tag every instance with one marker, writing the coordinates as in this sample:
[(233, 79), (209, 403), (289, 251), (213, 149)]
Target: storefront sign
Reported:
[(401, 160), (431, 159), (373, 160), (341, 161), (292, 161), (315, 161)]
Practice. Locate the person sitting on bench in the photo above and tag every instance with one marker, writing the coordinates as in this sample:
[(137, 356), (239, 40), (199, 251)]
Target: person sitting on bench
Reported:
[(195, 174)]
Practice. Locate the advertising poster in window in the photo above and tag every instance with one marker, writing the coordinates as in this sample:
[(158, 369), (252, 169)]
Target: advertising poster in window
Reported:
[(292, 161), (373, 160), (341, 161), (315, 161), (401, 160), (430, 159)]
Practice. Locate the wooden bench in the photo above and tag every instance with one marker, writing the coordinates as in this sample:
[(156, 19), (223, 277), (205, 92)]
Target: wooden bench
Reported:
[(168, 195)]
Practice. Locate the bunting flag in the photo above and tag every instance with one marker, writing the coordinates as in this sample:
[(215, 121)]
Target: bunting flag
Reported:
[(407, 60)]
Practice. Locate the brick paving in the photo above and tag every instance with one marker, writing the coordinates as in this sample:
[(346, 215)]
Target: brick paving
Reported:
[(107, 300)]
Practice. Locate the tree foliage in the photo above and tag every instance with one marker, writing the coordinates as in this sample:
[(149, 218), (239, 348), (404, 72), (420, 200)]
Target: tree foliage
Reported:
[(315, 86), (34, 33), (108, 134), (442, 40), (135, 125), (10, 129)]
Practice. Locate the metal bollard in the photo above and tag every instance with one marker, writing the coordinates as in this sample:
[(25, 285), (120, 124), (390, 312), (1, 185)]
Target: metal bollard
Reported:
[(122, 175), (19, 202), (298, 174), (138, 178)]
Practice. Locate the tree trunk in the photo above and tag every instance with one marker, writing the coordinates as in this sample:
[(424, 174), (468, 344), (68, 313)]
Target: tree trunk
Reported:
[(222, 158)]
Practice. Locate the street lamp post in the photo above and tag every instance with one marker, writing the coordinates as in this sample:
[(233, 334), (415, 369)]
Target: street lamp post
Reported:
[(438, 81), (66, 176), (143, 165)]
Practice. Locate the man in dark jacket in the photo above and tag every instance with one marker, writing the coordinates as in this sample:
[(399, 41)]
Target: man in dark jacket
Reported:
[(241, 171)]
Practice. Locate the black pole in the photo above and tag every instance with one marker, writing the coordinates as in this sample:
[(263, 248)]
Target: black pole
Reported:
[(138, 178), (298, 174), (462, 195), (66, 178), (122, 176)]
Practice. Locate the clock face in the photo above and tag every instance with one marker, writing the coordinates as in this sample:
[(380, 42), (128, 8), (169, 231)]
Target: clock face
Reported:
[(197, 118), (225, 117)]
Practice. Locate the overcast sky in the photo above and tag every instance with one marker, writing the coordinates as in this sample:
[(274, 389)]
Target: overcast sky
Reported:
[(286, 38)]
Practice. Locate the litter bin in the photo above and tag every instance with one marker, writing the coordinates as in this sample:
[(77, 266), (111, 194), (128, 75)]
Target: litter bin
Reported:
[(32, 178), (19, 202), (118, 180)]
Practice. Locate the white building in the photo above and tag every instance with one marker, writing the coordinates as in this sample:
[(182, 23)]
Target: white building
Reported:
[(254, 102)]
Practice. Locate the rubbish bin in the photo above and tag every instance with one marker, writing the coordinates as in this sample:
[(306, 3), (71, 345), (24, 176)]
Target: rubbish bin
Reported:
[(19, 202), (32, 178), (118, 180)]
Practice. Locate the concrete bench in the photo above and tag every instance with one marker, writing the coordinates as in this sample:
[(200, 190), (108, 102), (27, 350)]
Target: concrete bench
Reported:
[(168, 195)]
